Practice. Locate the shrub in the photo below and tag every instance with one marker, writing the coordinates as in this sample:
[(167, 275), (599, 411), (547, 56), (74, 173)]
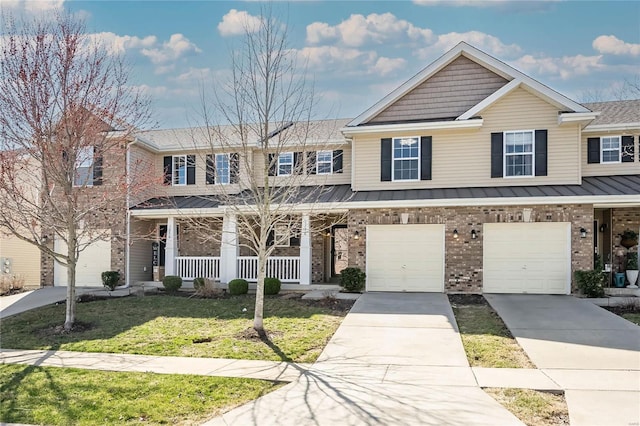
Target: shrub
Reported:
[(172, 283), (238, 286), (632, 261), (272, 286), (591, 282), (11, 284), (198, 283), (352, 279), (110, 279)]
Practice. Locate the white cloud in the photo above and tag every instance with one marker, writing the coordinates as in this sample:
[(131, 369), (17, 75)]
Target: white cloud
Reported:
[(386, 66), (485, 42), (177, 47), (359, 30), (612, 45), (193, 75), (237, 23), (348, 60), (564, 67), (33, 6), (116, 44)]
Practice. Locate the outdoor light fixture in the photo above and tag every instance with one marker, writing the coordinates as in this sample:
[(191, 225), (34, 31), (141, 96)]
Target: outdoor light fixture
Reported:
[(455, 234), (583, 233), (474, 234), (356, 235), (603, 227)]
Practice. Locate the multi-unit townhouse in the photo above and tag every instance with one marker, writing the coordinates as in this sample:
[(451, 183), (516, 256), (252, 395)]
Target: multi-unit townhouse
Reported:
[(469, 177)]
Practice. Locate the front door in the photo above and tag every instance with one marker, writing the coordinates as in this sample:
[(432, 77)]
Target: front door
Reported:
[(339, 249)]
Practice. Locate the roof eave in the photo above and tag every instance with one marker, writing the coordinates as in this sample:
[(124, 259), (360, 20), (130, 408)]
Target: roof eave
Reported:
[(402, 127), (594, 128)]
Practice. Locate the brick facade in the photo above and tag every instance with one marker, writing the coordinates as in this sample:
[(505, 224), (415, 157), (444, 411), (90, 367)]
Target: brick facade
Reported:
[(463, 256), (621, 220)]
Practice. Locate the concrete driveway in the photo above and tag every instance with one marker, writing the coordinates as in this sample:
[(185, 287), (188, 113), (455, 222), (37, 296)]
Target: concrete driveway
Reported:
[(397, 359), (589, 352), (22, 302)]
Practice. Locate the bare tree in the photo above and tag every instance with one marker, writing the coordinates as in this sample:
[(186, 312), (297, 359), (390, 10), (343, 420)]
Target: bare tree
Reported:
[(262, 119), (67, 116)]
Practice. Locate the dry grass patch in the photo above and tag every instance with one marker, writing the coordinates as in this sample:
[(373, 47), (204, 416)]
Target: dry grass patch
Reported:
[(486, 340), (534, 408)]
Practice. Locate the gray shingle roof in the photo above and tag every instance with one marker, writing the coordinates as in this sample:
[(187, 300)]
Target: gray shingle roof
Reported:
[(591, 186), (615, 112)]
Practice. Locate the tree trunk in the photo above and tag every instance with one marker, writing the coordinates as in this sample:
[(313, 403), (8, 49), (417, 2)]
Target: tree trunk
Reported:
[(259, 309), (70, 316)]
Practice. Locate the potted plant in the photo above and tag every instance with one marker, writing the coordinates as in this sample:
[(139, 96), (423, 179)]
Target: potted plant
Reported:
[(628, 239), (632, 268)]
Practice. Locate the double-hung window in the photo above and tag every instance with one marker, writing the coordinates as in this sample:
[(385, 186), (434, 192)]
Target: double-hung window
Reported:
[(222, 169), (324, 162), (406, 158), (281, 236), (179, 170), (84, 167), (610, 147), (285, 164), (518, 153)]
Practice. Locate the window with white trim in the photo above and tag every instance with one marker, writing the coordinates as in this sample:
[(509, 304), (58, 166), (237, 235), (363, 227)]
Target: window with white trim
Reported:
[(222, 169), (179, 170), (324, 162), (84, 167), (281, 236), (610, 149), (406, 158), (519, 153), (285, 164)]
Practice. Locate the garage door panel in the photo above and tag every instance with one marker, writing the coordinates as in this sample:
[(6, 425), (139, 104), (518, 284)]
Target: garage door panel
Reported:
[(526, 258), (405, 258), (92, 261)]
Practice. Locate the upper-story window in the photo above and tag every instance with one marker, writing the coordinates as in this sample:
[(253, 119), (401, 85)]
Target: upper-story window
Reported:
[(84, 167), (222, 168), (610, 147), (179, 170), (406, 158), (285, 164), (519, 153), (324, 162)]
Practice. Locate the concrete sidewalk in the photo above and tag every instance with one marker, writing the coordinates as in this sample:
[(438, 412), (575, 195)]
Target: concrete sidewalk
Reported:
[(395, 359), (592, 354)]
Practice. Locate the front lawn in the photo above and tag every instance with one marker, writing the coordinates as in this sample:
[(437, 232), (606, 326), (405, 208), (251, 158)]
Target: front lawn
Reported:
[(486, 340), (65, 396), (180, 326), (533, 408)]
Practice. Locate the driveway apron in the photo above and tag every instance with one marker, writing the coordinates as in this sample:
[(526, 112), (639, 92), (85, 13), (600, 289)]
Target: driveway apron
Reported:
[(589, 352), (396, 359)]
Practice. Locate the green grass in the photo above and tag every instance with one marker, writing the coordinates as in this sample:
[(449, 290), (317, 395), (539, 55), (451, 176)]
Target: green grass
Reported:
[(65, 396), (486, 340), (533, 408), (168, 325), (633, 317)]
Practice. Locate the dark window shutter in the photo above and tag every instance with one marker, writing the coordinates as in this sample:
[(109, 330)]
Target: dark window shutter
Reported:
[(541, 152), (425, 157), (294, 241), (167, 169), (234, 167), (337, 161), (191, 169), (312, 166), (385, 160), (270, 238), (496, 155), (97, 167), (297, 163), (210, 170), (273, 165), (628, 153), (593, 150)]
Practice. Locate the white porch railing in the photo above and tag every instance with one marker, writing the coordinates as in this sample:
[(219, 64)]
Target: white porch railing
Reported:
[(190, 267), (287, 269)]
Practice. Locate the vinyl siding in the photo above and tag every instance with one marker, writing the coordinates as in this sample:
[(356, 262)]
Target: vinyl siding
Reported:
[(462, 158), (25, 259), (610, 169), (447, 94), (140, 250)]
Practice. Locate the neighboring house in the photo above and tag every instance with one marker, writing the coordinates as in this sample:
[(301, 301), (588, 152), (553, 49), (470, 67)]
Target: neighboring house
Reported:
[(19, 261), (470, 177)]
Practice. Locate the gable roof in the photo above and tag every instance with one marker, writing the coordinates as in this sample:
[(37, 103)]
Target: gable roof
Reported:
[(515, 77)]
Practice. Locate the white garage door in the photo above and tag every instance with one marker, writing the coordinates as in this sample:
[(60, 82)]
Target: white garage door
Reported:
[(527, 258), (92, 262), (405, 258)]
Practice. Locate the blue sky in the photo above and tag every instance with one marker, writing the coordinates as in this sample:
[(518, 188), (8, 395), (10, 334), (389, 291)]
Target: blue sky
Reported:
[(358, 51)]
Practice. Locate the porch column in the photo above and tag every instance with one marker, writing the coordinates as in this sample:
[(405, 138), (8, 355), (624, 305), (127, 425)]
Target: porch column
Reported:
[(171, 247), (229, 249), (305, 251)]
